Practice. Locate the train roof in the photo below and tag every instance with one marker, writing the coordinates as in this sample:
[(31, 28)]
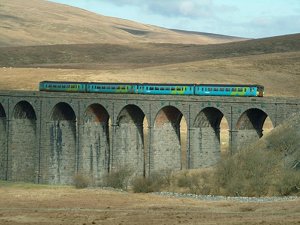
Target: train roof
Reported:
[(155, 84), (208, 85), (101, 83), (231, 85)]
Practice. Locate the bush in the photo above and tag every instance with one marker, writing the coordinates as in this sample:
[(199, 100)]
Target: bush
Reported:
[(184, 180), (250, 172), (118, 178), (81, 181), (153, 183), (289, 183)]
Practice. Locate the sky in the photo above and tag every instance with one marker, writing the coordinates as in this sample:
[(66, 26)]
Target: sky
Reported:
[(242, 18)]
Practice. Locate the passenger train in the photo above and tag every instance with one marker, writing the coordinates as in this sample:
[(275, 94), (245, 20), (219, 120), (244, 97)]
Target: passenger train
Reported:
[(155, 89)]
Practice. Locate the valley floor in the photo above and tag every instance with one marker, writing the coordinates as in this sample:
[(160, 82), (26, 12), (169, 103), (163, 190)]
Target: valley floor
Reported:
[(45, 205)]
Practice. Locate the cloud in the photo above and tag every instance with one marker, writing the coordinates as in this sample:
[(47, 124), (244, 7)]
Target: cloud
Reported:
[(178, 8)]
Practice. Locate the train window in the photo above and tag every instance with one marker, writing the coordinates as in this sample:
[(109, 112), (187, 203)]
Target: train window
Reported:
[(209, 89), (151, 88), (245, 89), (233, 89), (162, 89), (178, 89), (240, 89), (216, 89), (221, 89), (227, 89), (156, 88)]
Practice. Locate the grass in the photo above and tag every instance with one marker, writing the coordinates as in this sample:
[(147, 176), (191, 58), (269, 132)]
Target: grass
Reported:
[(23, 185), (139, 55)]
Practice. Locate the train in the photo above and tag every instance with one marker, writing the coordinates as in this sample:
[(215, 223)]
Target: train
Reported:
[(253, 90)]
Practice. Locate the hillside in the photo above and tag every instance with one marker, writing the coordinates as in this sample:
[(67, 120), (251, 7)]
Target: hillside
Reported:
[(39, 22), (272, 62), (95, 56)]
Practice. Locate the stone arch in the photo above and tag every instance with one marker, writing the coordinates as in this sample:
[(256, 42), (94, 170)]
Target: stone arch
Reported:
[(166, 141), (3, 147), (94, 150), (249, 127), (129, 148), (23, 153), (62, 158), (205, 138)]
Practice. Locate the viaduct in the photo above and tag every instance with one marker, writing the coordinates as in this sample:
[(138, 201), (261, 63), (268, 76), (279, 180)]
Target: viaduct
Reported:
[(49, 137)]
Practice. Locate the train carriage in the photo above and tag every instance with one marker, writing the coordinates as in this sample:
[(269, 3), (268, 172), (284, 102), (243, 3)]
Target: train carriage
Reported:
[(166, 89), (229, 90), (61, 86), (125, 88)]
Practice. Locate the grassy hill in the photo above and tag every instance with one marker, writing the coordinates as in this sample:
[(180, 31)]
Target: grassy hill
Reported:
[(39, 22), (273, 62), (141, 55)]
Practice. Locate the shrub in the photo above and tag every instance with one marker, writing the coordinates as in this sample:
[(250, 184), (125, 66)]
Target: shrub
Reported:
[(289, 183), (184, 180), (81, 181), (143, 185), (154, 183), (118, 178), (250, 172)]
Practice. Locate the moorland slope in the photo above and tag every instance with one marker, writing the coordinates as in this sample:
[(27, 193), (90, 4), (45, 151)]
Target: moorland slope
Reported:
[(40, 22)]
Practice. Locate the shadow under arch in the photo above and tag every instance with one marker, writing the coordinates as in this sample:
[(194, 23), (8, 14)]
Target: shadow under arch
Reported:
[(205, 139), (3, 145), (94, 151), (129, 144), (249, 127), (23, 156), (62, 136), (167, 151)]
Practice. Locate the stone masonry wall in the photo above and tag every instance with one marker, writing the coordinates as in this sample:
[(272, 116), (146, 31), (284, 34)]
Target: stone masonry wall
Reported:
[(205, 147), (166, 148), (62, 155), (3, 151), (129, 148), (23, 153), (58, 145), (94, 150)]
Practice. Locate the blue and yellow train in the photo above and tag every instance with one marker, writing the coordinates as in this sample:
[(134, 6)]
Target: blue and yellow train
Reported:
[(155, 89)]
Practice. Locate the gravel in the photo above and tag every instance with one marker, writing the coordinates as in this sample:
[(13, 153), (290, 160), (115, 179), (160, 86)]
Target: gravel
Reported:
[(223, 198)]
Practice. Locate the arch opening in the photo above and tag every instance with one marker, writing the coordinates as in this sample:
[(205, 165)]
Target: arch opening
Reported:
[(250, 127), (206, 138), (94, 150), (23, 153), (62, 111), (24, 110), (169, 140), (129, 148), (62, 136)]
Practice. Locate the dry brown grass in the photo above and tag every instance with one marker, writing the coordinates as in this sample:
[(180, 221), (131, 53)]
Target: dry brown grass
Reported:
[(64, 205), (278, 79)]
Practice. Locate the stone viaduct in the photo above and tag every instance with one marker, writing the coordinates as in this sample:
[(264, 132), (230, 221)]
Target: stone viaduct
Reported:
[(49, 137)]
